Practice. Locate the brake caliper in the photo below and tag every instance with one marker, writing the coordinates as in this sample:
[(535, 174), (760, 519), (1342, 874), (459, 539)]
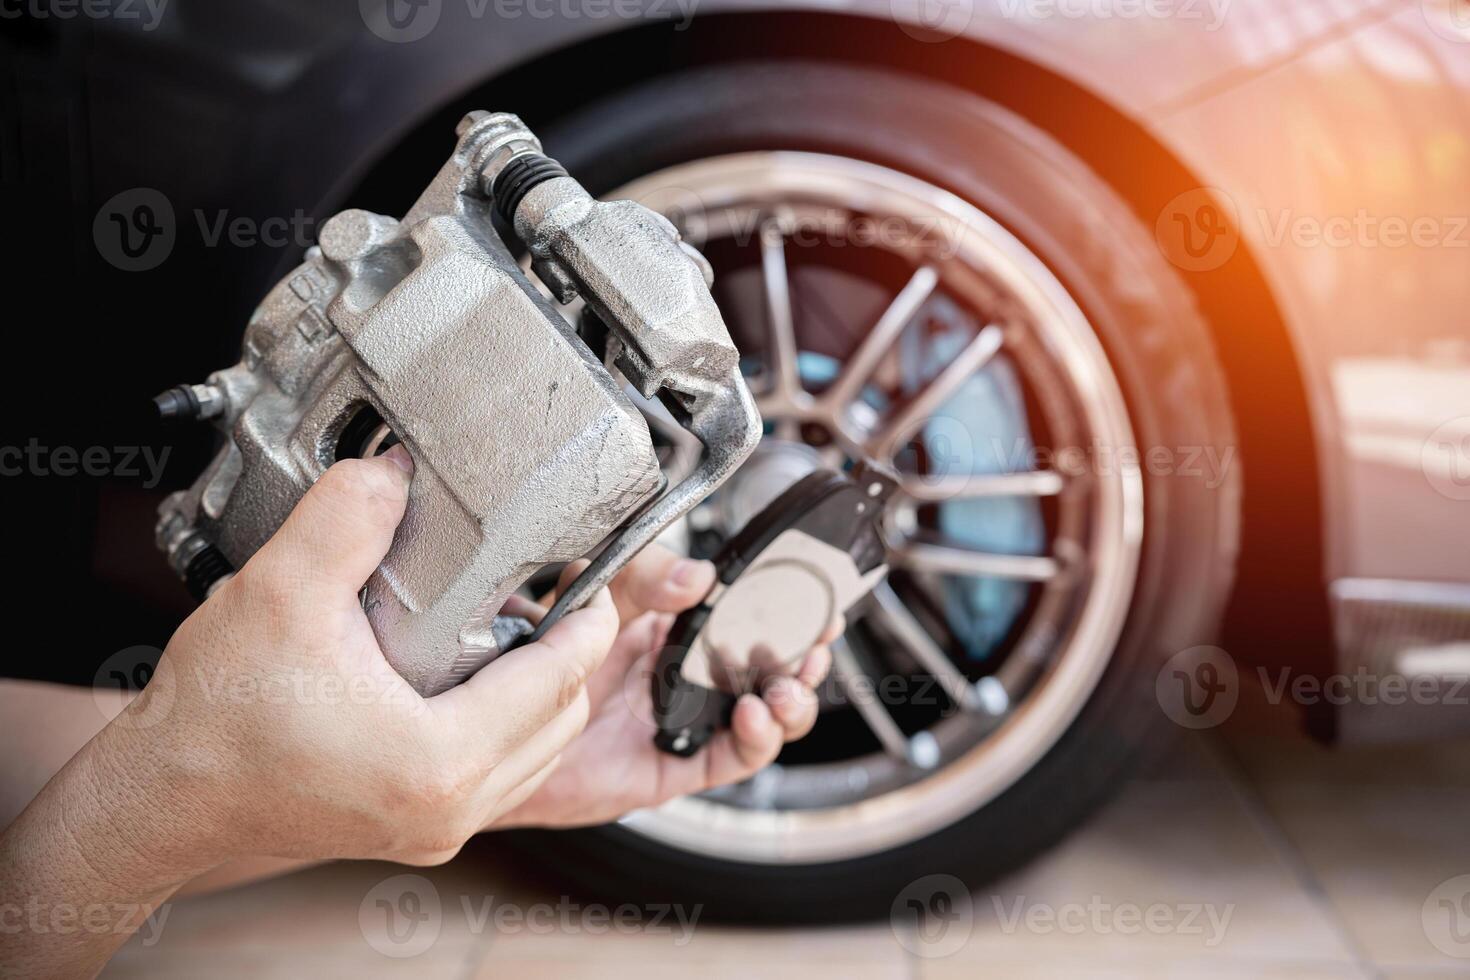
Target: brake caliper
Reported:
[(527, 451)]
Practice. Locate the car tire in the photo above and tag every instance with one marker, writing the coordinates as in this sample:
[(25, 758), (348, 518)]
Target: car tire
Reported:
[(1156, 341)]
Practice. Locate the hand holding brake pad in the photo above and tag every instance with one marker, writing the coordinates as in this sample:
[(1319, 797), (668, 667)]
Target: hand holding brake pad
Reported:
[(805, 560)]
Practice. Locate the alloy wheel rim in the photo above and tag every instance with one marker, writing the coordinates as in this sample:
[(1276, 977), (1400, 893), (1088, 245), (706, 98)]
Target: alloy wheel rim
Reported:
[(1006, 720)]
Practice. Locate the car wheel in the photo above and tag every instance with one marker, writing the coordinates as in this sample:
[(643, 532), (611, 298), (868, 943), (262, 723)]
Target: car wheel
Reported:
[(914, 273)]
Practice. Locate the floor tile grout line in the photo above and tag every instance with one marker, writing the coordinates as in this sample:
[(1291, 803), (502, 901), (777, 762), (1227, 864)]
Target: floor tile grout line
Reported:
[(1279, 839), (470, 967), (477, 955), (913, 965)]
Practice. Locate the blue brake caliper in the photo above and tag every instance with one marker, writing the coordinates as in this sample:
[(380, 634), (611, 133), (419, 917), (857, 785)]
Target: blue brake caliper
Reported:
[(980, 429)]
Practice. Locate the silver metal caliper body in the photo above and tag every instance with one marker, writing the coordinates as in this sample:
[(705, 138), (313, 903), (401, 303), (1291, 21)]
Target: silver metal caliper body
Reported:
[(527, 451)]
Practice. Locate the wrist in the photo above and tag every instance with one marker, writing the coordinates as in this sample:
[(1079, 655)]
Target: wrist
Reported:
[(108, 832), (160, 812)]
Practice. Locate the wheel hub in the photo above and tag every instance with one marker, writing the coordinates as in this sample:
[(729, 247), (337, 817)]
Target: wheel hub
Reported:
[(775, 465)]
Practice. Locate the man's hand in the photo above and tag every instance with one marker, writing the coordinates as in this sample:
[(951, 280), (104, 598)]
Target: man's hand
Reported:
[(613, 767), (274, 726), (303, 742)]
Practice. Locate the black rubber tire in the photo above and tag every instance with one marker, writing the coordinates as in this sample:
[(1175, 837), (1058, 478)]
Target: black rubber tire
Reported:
[(1160, 348)]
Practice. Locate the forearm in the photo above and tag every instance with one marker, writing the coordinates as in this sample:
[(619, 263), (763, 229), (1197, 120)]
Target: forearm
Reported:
[(45, 725), (194, 775), (42, 726), (94, 856)]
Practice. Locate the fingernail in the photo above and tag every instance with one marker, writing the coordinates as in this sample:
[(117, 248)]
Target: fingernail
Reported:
[(688, 571), (400, 457)]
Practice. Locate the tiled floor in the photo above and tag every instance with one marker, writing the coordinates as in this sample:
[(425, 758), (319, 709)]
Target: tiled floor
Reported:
[(1238, 856)]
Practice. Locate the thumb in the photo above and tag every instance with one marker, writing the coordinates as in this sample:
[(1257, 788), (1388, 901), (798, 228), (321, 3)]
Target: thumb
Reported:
[(343, 526)]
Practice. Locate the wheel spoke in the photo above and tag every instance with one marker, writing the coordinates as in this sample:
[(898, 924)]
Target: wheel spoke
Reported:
[(892, 612), (781, 370), (850, 676), (902, 426), (968, 486), (879, 341), (962, 561)]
